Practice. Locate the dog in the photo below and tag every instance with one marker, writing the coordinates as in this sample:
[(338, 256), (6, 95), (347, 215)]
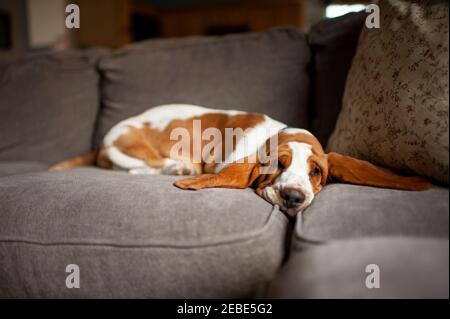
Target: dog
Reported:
[(145, 144)]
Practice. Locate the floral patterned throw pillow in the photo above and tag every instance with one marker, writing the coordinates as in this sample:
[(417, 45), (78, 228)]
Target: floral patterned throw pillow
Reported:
[(395, 106)]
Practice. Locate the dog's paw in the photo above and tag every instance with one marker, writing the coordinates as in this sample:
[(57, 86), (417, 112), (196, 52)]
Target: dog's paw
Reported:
[(144, 171), (179, 168)]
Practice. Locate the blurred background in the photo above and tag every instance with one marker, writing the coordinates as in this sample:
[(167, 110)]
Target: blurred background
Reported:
[(35, 25)]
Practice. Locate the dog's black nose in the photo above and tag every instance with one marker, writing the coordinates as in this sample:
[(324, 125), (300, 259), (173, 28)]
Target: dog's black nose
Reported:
[(292, 197)]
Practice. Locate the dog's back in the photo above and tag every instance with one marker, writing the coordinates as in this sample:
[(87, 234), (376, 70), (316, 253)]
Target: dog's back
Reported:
[(145, 143)]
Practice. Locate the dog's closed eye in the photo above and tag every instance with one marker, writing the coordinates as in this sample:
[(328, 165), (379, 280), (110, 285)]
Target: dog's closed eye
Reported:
[(284, 160), (315, 171)]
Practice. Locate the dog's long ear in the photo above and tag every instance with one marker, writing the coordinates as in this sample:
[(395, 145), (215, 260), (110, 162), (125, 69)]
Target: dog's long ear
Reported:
[(353, 171), (236, 175)]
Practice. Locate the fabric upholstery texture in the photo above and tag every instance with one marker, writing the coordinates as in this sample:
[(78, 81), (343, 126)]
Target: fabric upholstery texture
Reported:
[(348, 211), (48, 106), (264, 72), (140, 237), (134, 237), (12, 168), (396, 102), (408, 268), (333, 44)]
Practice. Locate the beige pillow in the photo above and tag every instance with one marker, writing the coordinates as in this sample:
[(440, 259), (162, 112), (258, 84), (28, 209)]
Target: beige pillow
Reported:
[(395, 106)]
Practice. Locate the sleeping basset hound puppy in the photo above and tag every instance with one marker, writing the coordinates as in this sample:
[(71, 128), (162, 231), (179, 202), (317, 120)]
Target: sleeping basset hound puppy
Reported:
[(144, 145)]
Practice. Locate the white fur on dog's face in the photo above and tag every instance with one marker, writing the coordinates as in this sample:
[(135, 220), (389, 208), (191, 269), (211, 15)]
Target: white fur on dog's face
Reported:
[(296, 176)]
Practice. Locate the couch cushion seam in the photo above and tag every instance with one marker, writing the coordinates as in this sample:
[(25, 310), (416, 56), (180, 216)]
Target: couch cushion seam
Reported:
[(275, 218)]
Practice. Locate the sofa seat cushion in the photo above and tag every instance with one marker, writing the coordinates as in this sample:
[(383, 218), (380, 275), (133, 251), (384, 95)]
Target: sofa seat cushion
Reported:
[(134, 237), (408, 268), (19, 167), (343, 211)]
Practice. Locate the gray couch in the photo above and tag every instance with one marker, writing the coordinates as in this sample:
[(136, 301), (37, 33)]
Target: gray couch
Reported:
[(140, 237)]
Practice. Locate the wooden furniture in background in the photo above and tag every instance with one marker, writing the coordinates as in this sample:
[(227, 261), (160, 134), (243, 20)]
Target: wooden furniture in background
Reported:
[(113, 23), (103, 23), (5, 31), (256, 15)]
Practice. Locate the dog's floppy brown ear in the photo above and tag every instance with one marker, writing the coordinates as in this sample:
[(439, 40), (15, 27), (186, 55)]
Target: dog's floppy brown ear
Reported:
[(236, 175), (353, 171)]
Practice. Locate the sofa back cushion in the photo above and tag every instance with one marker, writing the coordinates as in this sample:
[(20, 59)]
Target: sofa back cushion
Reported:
[(48, 105), (264, 72), (333, 44)]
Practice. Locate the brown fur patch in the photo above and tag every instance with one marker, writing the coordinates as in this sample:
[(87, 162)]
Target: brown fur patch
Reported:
[(153, 145), (82, 160), (353, 171), (284, 154), (237, 175), (136, 144), (103, 159), (315, 174), (284, 138)]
